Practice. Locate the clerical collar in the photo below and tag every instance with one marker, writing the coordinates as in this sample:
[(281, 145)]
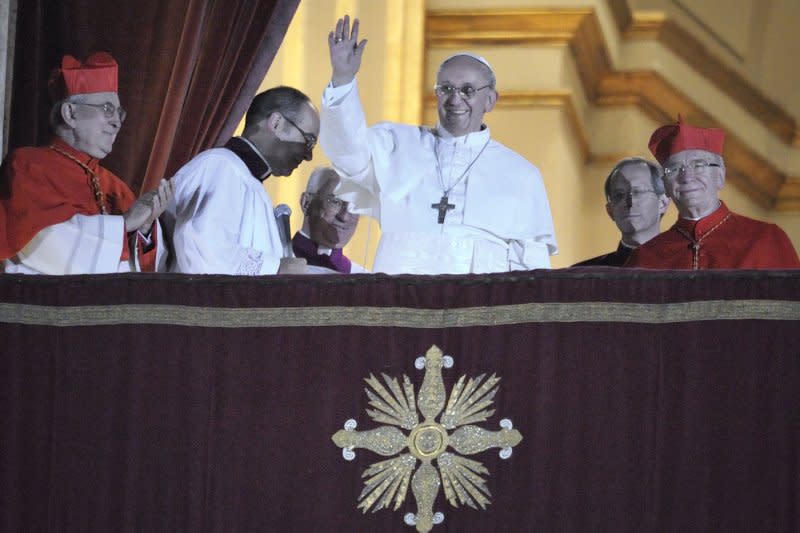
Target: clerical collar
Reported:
[(321, 250), (698, 228), (441, 132), (719, 204), (250, 156), (304, 247), (624, 244)]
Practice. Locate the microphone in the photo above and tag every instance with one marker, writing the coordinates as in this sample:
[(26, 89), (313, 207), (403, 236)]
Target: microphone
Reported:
[(282, 213)]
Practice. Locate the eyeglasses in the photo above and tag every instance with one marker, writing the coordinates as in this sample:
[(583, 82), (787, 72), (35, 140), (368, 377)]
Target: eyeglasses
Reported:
[(619, 197), (466, 92), (333, 203), (109, 110), (694, 166), (310, 138)]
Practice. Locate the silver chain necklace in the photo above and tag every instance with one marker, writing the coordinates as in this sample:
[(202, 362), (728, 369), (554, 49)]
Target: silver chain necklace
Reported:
[(443, 207)]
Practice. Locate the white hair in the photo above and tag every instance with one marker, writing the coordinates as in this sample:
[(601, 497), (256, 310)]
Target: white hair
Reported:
[(319, 177)]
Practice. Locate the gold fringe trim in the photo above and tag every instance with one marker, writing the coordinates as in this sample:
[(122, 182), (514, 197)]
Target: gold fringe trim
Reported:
[(404, 317)]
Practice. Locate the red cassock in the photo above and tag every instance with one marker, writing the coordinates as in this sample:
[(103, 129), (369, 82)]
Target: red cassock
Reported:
[(723, 239), (40, 187)]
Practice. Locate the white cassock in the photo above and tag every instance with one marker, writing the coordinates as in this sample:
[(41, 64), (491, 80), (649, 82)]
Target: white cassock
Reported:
[(221, 219), (84, 244), (501, 217)]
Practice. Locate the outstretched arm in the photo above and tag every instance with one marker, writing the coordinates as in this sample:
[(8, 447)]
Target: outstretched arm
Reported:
[(345, 51)]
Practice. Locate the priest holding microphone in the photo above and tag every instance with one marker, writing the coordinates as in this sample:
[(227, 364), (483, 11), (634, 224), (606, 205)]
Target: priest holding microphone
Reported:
[(221, 219)]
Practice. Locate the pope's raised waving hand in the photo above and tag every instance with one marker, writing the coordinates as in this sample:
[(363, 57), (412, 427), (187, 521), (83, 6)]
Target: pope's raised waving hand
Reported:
[(345, 51)]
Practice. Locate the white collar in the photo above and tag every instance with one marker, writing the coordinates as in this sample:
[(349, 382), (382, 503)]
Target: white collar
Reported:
[(321, 250), (475, 137), (719, 204)]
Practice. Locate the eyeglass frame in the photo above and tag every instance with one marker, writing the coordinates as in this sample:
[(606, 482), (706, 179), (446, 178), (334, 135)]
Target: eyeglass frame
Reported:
[(336, 204), (698, 165), (309, 138), (109, 109), (460, 90)]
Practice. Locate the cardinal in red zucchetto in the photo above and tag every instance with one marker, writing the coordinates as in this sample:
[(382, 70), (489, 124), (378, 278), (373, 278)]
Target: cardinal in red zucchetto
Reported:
[(707, 234), (61, 212)]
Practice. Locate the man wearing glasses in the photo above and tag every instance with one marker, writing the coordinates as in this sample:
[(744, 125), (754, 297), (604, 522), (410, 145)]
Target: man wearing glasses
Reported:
[(328, 226), (60, 211), (449, 199), (635, 201), (707, 234), (221, 219)]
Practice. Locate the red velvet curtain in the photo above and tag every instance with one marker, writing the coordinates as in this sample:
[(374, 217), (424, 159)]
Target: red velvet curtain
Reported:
[(188, 70)]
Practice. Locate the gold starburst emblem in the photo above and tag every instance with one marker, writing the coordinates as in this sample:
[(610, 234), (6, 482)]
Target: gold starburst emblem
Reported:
[(427, 441)]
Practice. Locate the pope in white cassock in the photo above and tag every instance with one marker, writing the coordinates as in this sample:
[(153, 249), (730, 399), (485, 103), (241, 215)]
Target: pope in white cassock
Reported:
[(449, 199), (221, 219)]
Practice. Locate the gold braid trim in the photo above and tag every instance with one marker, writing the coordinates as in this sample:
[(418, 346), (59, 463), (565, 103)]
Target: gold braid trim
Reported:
[(404, 317), (94, 180)]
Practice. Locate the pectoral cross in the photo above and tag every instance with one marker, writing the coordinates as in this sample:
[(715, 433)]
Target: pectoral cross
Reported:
[(443, 208)]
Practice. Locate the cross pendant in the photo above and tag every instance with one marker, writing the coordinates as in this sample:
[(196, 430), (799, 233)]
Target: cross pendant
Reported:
[(443, 208)]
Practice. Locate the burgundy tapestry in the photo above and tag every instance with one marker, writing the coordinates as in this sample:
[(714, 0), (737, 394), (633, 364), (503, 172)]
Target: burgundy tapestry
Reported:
[(569, 401)]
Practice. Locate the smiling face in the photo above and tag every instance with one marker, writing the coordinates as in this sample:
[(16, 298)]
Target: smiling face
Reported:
[(88, 129), (457, 114), (694, 191), (327, 220), (634, 205)]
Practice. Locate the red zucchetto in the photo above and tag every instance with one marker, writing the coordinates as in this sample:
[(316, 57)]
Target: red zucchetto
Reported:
[(98, 74), (669, 140)]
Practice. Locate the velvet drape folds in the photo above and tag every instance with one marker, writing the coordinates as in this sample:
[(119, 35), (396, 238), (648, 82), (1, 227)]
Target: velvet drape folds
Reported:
[(188, 70), (646, 401)]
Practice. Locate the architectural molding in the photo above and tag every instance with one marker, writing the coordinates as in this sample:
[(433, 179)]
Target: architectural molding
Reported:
[(579, 29), (656, 26), (558, 99), (789, 195), (576, 28)]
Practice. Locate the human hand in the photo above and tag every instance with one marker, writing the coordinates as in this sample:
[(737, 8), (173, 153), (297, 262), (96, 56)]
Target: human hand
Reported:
[(345, 51), (293, 265), (149, 207)]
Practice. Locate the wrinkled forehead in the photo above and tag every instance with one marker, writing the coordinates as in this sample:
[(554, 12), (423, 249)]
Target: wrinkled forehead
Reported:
[(463, 69), (690, 155)]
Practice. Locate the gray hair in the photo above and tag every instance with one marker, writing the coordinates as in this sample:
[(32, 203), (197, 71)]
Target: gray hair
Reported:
[(56, 120), (320, 176), (655, 174)]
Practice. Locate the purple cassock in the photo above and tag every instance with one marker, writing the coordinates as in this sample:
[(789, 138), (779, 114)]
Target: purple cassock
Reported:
[(307, 249)]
